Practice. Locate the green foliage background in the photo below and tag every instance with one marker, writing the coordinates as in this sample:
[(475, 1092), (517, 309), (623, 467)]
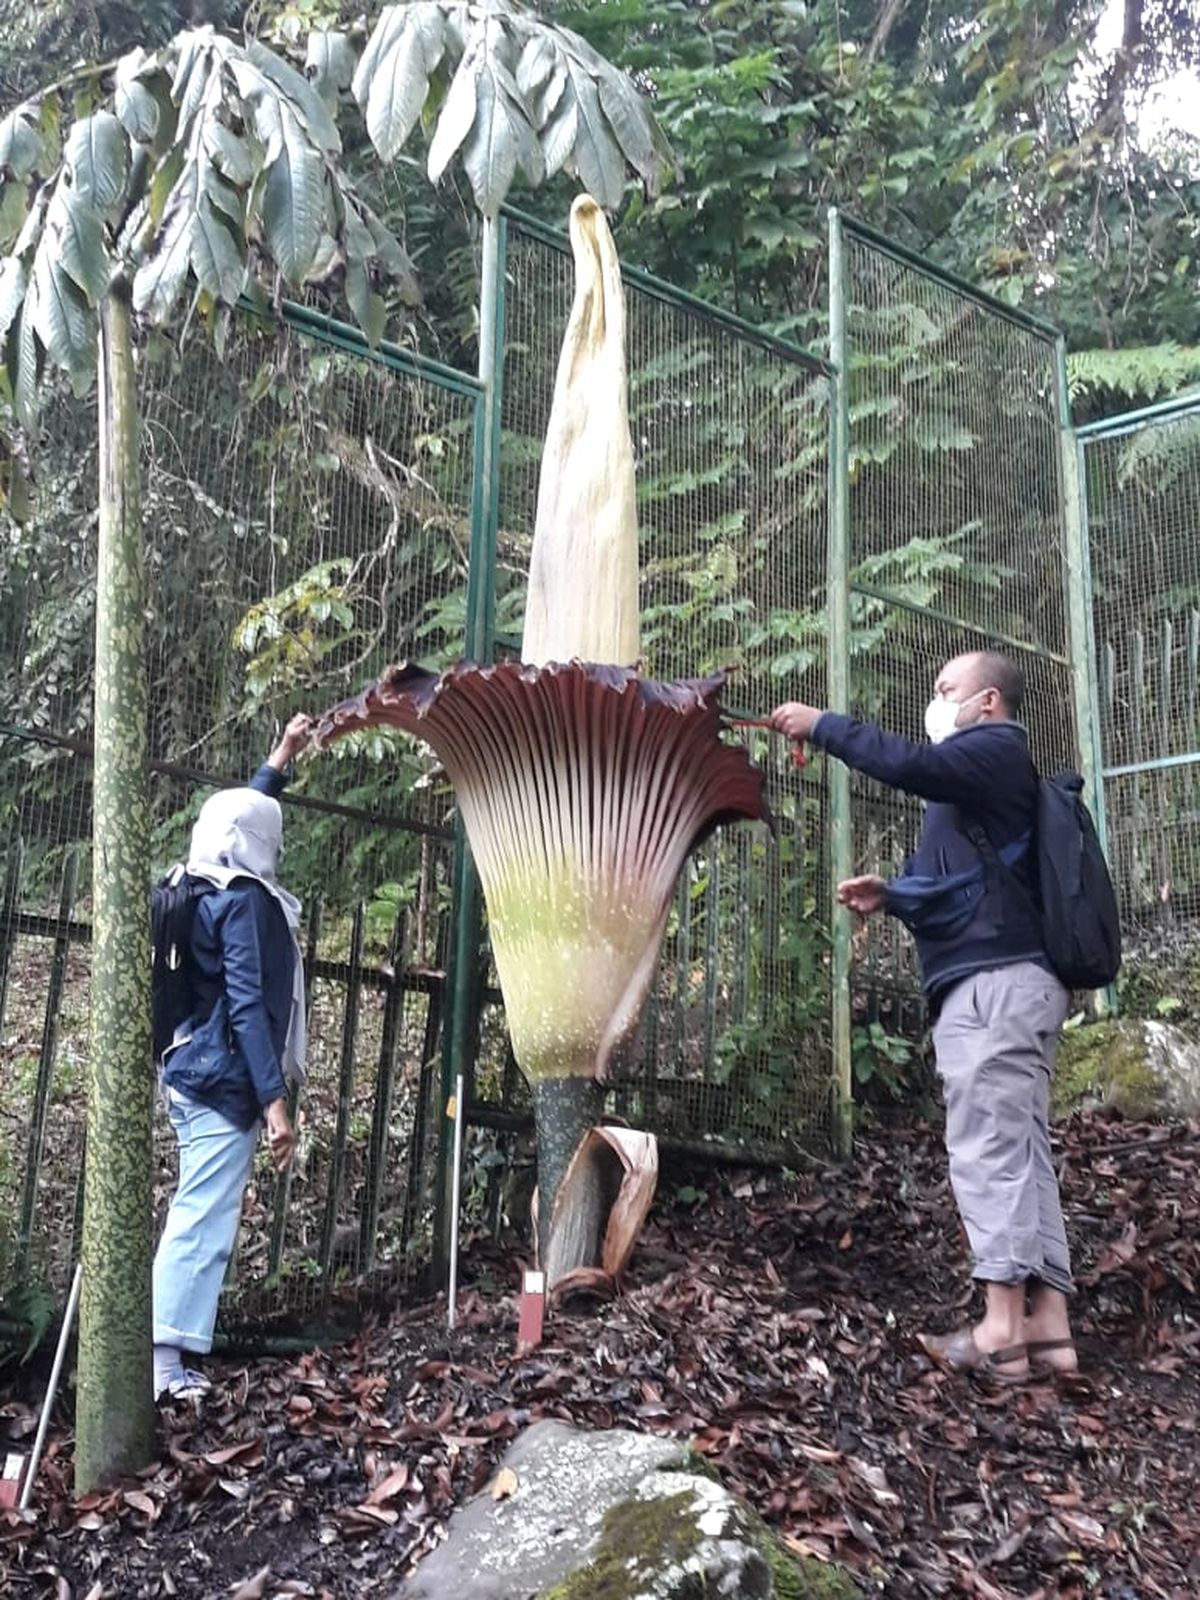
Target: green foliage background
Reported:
[(993, 137)]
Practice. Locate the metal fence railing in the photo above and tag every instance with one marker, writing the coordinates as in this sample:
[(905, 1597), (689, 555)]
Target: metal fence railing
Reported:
[(307, 507), (830, 531), (729, 430), (1142, 473), (313, 510), (957, 534)]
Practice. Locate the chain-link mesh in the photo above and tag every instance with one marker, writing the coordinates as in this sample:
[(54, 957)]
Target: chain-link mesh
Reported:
[(308, 510), (307, 514), (957, 540), (730, 443), (1143, 498)]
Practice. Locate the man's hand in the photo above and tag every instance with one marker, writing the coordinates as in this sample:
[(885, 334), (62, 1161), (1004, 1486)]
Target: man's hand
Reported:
[(864, 895), (795, 721), (295, 736), (281, 1136)]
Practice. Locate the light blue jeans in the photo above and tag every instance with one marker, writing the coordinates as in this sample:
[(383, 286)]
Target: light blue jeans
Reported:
[(215, 1158)]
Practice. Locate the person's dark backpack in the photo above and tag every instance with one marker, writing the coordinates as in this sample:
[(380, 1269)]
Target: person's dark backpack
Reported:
[(1081, 922), (174, 997)]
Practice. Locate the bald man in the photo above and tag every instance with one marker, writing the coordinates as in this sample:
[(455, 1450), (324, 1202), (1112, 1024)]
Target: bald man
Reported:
[(998, 1006)]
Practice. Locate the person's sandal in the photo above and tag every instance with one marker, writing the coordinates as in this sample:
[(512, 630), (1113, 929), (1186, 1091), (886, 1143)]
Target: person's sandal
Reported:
[(1037, 1347), (958, 1352), (186, 1384)]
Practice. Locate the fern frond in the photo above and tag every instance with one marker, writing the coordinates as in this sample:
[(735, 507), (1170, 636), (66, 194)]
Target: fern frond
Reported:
[(1145, 372)]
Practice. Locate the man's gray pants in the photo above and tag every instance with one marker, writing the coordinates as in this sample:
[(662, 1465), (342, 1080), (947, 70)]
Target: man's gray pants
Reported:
[(995, 1040)]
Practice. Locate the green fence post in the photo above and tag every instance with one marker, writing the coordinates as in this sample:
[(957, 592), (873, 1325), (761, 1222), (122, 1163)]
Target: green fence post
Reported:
[(838, 677), (464, 979), (1085, 691)]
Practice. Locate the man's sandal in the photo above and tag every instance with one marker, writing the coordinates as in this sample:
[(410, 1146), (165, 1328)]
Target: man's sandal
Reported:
[(958, 1352), (1038, 1347)]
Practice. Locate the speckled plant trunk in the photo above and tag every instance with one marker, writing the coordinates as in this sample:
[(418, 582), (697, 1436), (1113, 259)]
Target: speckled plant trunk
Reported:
[(564, 1109), (114, 1403)]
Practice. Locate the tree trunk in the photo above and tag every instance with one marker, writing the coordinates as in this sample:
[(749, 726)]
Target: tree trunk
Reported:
[(115, 1406), (564, 1109)]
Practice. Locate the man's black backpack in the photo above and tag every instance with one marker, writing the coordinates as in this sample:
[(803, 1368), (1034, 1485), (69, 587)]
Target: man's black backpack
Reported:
[(1081, 923), (174, 997)]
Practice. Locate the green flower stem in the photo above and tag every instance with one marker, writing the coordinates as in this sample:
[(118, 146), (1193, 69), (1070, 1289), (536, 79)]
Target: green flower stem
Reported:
[(114, 1408), (564, 1109)]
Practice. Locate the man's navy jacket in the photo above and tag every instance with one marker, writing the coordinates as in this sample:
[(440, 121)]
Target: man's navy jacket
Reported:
[(964, 917)]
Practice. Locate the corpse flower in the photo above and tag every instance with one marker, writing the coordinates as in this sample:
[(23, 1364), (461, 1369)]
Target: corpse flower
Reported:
[(582, 785)]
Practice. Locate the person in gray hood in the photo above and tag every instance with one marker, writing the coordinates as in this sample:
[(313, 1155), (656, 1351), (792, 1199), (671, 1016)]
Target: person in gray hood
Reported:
[(227, 1074)]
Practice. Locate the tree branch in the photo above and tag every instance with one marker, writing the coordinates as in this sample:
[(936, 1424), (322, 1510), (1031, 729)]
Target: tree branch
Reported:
[(889, 15), (70, 80)]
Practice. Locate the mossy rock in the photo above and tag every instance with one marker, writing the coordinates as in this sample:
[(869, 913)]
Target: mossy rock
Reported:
[(614, 1515), (689, 1540), (804, 1577), (1142, 1069)]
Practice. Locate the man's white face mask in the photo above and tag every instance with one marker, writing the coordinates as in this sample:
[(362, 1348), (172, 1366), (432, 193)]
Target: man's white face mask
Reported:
[(942, 716)]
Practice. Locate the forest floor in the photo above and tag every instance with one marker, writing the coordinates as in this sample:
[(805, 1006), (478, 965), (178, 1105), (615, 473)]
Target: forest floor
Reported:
[(771, 1320)]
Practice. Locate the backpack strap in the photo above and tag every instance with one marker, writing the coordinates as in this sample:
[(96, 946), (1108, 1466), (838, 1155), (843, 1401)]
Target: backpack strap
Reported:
[(1000, 863)]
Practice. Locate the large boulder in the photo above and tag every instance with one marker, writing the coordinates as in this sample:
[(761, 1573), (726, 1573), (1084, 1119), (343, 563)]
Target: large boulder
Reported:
[(573, 1515), (1142, 1068)]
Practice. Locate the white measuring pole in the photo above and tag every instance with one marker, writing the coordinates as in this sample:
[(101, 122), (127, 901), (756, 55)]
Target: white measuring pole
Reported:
[(60, 1356), (455, 1201)]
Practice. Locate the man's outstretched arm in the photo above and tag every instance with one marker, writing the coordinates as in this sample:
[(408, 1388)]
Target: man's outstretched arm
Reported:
[(956, 771)]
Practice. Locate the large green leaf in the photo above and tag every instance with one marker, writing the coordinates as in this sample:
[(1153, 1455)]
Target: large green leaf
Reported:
[(14, 208), (218, 257), (228, 199), (136, 105), (79, 246), (394, 257), (231, 154), (369, 310), (162, 185), (596, 158), (560, 133), (307, 104), (490, 153), (14, 280), (20, 142), (457, 118), (360, 296), (190, 83), (159, 281), (24, 366), (500, 139), (293, 201), (31, 228), (391, 23), (329, 62), (61, 317), (397, 93), (541, 76), (97, 156), (631, 122)]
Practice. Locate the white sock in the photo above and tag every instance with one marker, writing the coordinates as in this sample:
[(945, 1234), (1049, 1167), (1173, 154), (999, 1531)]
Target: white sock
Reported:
[(168, 1359)]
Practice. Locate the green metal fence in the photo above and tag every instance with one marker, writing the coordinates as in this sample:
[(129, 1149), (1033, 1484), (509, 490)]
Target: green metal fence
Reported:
[(832, 532), (954, 530), (313, 510), (308, 513), (729, 430), (1142, 473)]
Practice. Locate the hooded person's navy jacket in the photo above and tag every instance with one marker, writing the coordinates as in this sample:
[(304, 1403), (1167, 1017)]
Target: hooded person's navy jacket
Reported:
[(964, 917), (245, 955)]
